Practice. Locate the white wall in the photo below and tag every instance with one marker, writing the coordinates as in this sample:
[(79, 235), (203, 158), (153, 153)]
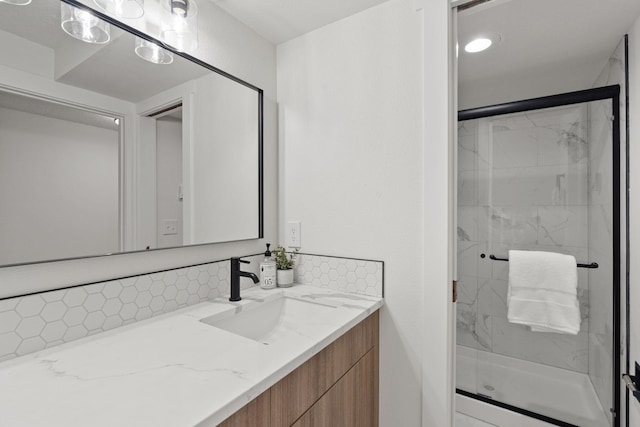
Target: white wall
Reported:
[(634, 204), (439, 160), (231, 46), (59, 181), (351, 147)]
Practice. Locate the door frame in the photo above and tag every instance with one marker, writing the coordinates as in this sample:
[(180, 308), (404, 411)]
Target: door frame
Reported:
[(596, 94)]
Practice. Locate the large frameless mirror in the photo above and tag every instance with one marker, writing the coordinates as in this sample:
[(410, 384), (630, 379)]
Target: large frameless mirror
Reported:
[(114, 141)]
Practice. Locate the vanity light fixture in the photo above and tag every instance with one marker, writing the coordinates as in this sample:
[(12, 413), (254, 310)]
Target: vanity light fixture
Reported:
[(152, 52), (180, 24), (16, 2), (180, 7), (122, 8), (84, 26)]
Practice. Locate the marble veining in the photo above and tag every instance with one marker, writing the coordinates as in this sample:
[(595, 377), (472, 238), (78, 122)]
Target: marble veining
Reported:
[(169, 370), (35, 322), (575, 144)]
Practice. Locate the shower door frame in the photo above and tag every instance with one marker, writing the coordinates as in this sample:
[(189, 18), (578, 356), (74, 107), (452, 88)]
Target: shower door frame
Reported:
[(596, 94)]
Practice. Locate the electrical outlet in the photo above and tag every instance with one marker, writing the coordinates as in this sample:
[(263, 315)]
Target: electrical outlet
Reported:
[(169, 226), (293, 234)]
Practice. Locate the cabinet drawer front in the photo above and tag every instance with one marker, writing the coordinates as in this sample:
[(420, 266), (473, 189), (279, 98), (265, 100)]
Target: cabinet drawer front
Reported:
[(350, 402), (255, 414), (292, 396)]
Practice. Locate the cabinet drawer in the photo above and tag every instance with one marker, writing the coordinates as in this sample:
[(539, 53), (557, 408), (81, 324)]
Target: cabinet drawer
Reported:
[(255, 414), (349, 365), (295, 393), (351, 402)]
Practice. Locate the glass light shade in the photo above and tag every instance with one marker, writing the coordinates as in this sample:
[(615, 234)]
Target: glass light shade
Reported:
[(82, 25), (152, 52), (122, 8), (179, 30), (16, 2)]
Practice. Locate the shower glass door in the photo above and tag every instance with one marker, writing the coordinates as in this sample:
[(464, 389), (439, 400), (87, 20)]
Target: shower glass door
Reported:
[(540, 176)]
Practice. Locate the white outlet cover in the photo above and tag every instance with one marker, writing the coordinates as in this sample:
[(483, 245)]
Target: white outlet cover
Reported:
[(170, 226), (293, 237)]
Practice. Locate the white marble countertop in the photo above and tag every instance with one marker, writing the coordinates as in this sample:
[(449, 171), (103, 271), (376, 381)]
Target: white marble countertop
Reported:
[(171, 370)]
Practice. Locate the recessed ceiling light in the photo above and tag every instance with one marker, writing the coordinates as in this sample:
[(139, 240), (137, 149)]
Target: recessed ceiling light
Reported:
[(478, 45), (482, 41)]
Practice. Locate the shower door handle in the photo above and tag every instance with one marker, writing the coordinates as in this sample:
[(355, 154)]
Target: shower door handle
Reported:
[(631, 382)]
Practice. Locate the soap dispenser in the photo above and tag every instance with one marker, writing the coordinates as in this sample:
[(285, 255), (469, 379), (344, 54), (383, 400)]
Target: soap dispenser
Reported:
[(268, 270)]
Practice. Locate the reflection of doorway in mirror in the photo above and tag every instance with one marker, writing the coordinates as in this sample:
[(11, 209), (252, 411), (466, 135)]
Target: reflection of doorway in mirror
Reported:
[(169, 178)]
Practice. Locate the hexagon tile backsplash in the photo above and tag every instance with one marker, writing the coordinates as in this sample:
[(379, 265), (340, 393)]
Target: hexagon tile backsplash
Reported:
[(357, 276), (34, 322)]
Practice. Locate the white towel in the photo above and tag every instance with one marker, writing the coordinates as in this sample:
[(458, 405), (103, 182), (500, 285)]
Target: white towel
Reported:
[(543, 291)]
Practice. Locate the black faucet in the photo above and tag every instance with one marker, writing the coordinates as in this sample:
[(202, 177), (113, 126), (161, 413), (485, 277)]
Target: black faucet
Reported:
[(236, 273)]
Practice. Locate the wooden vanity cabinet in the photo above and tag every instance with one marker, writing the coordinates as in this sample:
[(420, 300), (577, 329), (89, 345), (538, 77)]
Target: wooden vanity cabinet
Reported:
[(337, 387)]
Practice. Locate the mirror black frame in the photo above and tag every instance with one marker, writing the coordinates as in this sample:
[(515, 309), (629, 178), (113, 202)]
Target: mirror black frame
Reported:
[(210, 67)]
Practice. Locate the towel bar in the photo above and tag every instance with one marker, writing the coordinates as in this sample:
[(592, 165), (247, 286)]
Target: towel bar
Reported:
[(495, 258)]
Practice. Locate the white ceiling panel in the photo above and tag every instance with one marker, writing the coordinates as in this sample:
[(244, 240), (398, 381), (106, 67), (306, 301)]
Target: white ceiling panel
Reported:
[(282, 20)]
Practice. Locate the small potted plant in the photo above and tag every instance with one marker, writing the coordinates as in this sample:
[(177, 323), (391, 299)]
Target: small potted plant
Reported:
[(284, 264)]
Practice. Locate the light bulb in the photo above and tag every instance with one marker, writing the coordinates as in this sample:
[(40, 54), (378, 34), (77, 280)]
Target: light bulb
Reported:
[(153, 53), (180, 24)]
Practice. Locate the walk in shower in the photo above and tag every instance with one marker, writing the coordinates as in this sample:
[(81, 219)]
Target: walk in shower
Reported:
[(540, 175)]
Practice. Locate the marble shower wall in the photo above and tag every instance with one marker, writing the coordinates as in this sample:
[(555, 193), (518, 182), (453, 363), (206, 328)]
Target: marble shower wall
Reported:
[(600, 232), (523, 184)]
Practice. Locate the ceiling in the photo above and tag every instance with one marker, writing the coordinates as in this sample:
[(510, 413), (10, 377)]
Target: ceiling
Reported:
[(282, 20), (564, 42), (40, 107), (546, 44)]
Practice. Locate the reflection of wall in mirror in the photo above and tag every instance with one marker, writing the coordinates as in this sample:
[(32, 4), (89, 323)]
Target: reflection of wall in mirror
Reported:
[(26, 55), (220, 163), (169, 178), (59, 188), (223, 203)]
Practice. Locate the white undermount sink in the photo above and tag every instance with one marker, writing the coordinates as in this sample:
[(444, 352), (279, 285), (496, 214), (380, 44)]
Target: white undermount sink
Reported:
[(273, 320)]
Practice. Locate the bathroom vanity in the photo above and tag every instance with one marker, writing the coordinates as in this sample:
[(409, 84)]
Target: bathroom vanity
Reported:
[(301, 356), (337, 387)]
